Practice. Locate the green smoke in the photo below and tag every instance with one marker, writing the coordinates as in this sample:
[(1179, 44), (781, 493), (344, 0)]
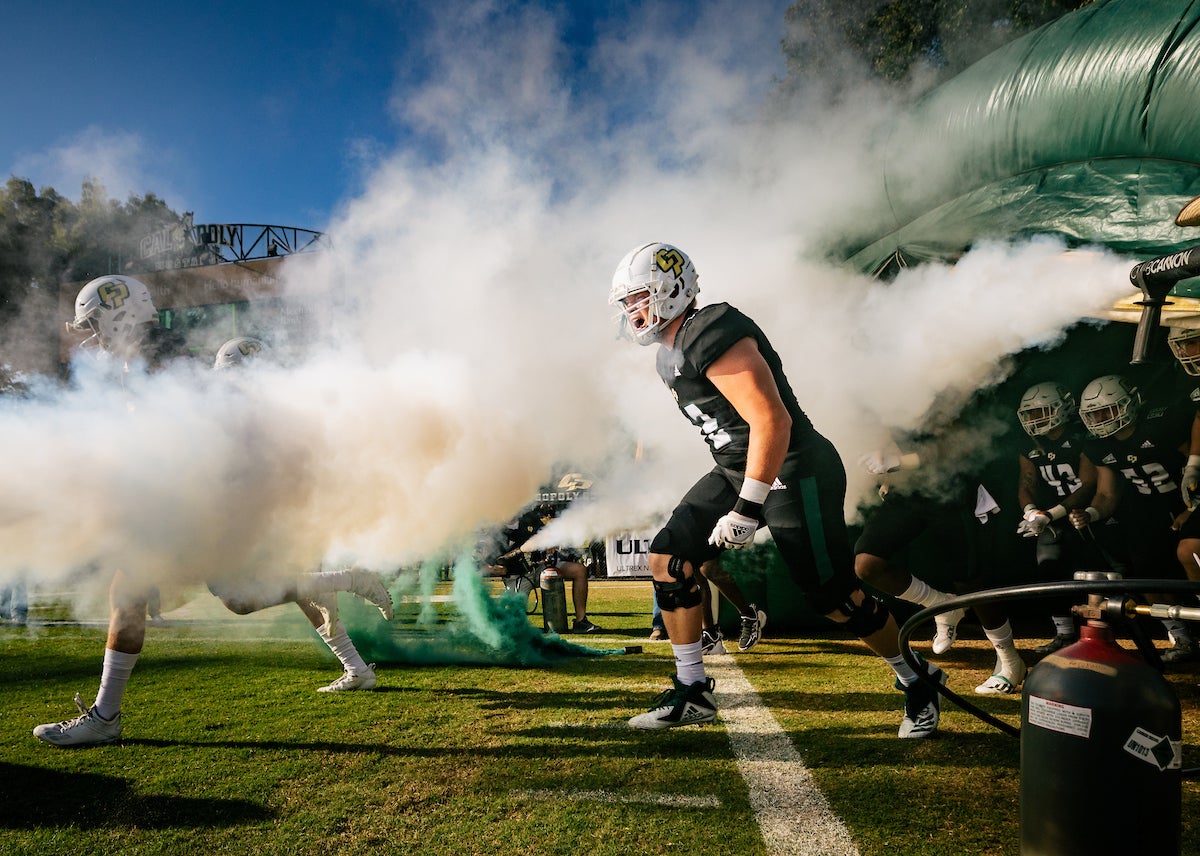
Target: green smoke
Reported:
[(473, 627)]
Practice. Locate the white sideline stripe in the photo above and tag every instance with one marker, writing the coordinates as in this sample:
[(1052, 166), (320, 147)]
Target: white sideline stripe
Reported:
[(793, 815), (669, 800)]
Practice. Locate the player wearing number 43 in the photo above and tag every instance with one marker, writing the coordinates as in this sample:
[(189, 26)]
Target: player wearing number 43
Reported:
[(1055, 478), (772, 468)]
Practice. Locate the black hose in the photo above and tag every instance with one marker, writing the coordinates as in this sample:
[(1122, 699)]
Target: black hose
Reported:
[(1036, 590)]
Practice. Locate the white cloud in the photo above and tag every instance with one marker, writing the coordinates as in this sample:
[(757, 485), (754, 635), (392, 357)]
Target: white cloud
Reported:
[(123, 161)]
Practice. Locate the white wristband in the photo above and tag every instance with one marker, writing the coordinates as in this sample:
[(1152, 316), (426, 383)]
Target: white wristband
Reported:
[(1193, 461), (1057, 512), (1029, 508), (754, 490)]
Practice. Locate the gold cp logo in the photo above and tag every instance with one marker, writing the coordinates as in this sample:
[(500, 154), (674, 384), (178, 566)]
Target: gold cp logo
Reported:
[(113, 293), (670, 259)]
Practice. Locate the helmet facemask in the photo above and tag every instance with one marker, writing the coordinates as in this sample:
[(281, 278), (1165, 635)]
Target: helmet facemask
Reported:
[(1045, 407), (1185, 345), (118, 313), (1109, 405), (668, 281), (629, 316)]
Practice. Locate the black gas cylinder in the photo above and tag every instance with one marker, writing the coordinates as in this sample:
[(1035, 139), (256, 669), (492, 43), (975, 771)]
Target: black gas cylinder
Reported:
[(1101, 753)]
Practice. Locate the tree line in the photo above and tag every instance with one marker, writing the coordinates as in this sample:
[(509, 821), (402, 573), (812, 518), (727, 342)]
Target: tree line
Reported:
[(903, 41), (46, 239)]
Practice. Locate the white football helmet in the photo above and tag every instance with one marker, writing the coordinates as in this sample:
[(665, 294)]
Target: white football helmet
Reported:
[(1044, 407), (117, 310), (669, 282), (1185, 345), (237, 351), (1108, 404)]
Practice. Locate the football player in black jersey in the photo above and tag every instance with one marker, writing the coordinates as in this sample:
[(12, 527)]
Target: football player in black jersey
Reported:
[(1185, 345), (1055, 477), (1139, 453), (772, 468), (934, 487)]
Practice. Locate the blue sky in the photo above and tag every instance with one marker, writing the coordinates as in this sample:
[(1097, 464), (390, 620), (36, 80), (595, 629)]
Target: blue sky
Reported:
[(274, 112), (246, 112)]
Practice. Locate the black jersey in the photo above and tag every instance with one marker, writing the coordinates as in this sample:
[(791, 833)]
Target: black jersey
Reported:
[(1150, 460), (705, 335), (1057, 465)]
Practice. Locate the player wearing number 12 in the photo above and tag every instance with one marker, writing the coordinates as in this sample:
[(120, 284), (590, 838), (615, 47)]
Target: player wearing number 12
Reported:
[(1139, 452), (772, 468)]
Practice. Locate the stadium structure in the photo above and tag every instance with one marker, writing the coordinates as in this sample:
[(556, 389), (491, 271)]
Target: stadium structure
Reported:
[(214, 281)]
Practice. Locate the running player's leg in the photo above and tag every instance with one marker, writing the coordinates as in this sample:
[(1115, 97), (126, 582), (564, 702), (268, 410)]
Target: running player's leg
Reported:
[(676, 553), (806, 519), (101, 723)]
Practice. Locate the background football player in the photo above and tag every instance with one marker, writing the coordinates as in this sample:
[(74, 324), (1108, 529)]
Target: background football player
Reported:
[(935, 487), (1055, 478), (1138, 452), (501, 550), (319, 608), (117, 314)]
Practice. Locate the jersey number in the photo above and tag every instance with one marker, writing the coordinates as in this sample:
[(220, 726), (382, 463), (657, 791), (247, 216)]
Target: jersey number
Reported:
[(1061, 477), (713, 433), (1150, 478)]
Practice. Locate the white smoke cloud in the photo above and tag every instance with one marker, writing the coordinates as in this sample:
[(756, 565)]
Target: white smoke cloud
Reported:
[(121, 160), (469, 349)]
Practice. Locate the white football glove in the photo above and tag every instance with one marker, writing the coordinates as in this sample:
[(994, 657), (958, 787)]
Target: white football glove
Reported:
[(880, 461), (1033, 523), (1190, 486), (1082, 518), (733, 531)]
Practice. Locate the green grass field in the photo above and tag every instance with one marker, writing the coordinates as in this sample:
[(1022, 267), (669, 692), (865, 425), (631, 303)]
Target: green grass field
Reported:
[(228, 748)]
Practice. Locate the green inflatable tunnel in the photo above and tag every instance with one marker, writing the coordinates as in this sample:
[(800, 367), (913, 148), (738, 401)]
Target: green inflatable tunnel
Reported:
[(1086, 128)]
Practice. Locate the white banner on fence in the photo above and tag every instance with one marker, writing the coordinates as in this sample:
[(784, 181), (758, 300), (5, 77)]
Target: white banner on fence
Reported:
[(628, 554)]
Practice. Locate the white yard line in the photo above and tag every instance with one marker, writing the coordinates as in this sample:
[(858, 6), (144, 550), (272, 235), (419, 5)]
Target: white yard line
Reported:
[(792, 813), (669, 800)]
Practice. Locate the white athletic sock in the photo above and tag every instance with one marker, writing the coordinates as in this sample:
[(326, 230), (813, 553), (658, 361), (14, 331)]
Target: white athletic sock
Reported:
[(921, 592), (1008, 661), (339, 643), (689, 662), (903, 671), (1064, 625), (113, 677)]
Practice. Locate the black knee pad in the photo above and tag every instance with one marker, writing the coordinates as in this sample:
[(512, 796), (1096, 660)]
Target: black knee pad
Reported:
[(682, 592), (866, 618)]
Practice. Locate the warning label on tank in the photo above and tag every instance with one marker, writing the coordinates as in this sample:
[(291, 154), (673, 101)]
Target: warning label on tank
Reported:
[(1056, 716), (1162, 752)]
